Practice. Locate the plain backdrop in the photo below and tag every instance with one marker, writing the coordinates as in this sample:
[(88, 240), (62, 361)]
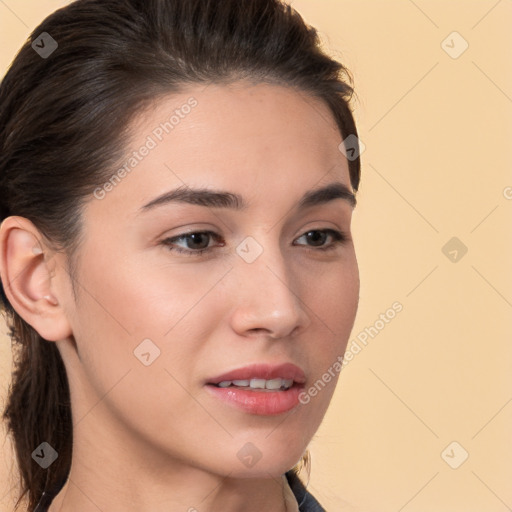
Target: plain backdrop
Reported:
[(422, 415)]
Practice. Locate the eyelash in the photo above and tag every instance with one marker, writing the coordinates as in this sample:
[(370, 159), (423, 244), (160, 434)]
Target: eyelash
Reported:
[(338, 236)]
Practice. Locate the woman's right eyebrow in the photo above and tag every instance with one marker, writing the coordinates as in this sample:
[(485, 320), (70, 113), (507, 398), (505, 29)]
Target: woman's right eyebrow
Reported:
[(225, 199)]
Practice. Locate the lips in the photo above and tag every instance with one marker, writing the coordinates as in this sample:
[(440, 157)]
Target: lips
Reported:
[(284, 371), (273, 400)]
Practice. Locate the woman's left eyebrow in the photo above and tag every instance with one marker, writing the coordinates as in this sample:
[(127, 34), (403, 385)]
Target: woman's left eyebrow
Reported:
[(224, 199)]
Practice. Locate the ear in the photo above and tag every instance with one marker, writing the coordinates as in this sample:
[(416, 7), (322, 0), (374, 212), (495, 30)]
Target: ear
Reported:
[(26, 266)]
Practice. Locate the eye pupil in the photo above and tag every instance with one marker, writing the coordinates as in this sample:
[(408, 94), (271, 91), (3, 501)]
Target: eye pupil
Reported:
[(197, 237), (319, 234)]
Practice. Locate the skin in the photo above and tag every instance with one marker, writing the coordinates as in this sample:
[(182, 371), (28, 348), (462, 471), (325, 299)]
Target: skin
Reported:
[(150, 438)]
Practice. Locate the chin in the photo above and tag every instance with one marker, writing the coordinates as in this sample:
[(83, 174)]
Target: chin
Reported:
[(270, 470), (266, 459)]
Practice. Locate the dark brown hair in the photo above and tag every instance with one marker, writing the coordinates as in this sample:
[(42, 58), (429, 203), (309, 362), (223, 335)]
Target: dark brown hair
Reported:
[(64, 126)]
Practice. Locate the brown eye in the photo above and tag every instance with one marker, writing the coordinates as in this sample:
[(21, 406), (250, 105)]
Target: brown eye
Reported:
[(318, 237), (196, 242)]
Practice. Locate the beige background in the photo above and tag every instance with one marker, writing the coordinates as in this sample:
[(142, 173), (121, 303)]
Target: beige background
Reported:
[(437, 163)]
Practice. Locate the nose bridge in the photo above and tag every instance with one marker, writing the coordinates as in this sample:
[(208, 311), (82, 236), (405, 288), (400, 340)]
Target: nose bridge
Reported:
[(269, 289)]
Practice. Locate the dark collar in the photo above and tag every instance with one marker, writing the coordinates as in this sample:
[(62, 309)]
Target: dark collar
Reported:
[(306, 501)]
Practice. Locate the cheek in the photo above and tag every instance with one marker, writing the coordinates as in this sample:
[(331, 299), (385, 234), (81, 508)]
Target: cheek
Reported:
[(131, 314), (332, 295), (141, 299), (333, 304), (168, 313)]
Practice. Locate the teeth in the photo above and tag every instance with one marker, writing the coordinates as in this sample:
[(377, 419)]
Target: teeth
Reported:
[(257, 383), (241, 382), (272, 384)]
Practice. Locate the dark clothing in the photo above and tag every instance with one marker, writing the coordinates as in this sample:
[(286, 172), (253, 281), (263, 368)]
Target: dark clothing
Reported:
[(306, 501)]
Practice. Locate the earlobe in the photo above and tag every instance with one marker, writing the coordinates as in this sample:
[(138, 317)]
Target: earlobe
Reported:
[(26, 273)]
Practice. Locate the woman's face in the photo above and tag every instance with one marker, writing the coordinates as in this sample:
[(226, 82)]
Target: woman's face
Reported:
[(156, 328)]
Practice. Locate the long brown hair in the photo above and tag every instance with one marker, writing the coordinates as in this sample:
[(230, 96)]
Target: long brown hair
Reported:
[(63, 119)]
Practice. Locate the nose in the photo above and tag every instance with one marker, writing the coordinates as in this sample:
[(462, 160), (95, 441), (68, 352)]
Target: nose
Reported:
[(268, 297)]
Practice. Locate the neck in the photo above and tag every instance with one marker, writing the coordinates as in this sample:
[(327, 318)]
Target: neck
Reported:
[(112, 472)]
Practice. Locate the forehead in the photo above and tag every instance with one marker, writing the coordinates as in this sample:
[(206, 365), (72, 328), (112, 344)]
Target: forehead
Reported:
[(254, 139)]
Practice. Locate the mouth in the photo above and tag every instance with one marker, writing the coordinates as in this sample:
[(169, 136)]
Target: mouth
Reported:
[(261, 376), (260, 388), (256, 384)]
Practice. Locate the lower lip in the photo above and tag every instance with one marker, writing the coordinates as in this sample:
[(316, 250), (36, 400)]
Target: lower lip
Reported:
[(259, 402)]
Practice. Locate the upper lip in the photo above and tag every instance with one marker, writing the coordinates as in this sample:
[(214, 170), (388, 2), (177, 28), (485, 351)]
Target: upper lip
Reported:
[(263, 371)]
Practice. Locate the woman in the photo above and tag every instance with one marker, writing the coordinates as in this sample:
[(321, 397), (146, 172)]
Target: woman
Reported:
[(152, 374)]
